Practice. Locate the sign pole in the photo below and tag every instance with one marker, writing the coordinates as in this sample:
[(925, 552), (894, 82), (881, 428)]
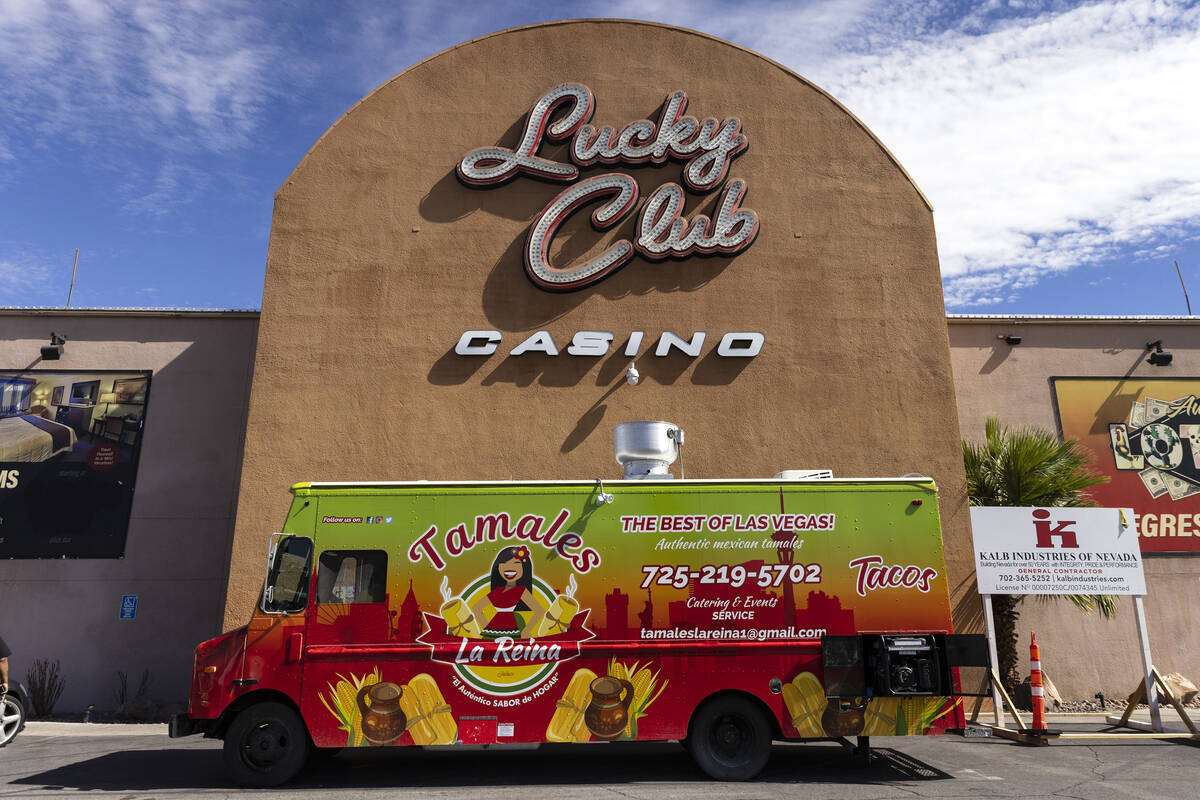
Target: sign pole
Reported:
[(991, 640), (1139, 614)]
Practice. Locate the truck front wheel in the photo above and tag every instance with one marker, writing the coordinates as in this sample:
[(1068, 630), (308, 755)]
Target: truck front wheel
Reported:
[(266, 745), (730, 739)]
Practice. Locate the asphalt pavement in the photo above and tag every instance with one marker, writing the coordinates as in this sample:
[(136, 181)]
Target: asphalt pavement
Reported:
[(137, 762)]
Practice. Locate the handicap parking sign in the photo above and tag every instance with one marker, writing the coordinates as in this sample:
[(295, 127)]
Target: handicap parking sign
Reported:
[(128, 606)]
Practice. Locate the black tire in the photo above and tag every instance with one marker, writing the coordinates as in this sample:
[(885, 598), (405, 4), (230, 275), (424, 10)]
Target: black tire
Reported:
[(326, 753), (12, 718), (730, 739), (266, 745)]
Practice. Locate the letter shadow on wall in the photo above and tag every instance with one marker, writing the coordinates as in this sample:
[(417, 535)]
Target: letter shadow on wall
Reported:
[(561, 370), (453, 370), (566, 370), (510, 300), (521, 198)]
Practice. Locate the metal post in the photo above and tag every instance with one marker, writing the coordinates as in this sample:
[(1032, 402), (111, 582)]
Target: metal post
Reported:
[(1139, 614), (71, 290), (991, 639)]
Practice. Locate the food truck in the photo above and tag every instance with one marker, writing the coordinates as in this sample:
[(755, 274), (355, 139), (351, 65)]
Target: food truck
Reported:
[(725, 614)]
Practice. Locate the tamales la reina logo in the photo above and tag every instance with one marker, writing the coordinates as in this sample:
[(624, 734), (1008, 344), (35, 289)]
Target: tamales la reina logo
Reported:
[(506, 631), (1161, 442)]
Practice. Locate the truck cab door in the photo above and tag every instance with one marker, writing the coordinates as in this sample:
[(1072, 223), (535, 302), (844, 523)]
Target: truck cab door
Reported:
[(275, 635), (348, 621)]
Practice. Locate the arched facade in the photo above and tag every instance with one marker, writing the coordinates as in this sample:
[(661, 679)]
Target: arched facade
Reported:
[(387, 247)]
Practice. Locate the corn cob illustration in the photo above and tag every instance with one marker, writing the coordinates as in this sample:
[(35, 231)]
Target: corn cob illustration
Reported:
[(925, 711), (342, 703), (567, 724), (430, 720), (646, 690), (895, 716), (880, 717), (805, 700)]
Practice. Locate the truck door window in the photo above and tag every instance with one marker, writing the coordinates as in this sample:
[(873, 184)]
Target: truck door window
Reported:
[(352, 576), (286, 589)]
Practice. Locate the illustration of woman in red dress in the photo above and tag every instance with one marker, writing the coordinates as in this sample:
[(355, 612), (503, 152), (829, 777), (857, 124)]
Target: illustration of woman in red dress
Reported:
[(512, 592)]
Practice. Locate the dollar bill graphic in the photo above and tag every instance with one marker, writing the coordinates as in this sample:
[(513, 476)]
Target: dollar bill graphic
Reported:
[(1180, 488), (1156, 409), (1137, 415), (1155, 484)]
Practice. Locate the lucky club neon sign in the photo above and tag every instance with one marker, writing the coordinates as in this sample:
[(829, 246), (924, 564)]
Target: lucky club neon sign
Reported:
[(707, 148)]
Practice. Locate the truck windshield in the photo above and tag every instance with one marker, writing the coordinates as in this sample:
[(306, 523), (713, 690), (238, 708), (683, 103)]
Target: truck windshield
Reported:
[(286, 590)]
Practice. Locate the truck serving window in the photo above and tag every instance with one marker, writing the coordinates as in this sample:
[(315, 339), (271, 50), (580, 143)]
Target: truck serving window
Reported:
[(352, 576), (286, 590)]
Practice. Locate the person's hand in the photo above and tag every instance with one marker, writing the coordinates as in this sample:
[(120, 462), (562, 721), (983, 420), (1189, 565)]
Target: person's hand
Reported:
[(3, 688)]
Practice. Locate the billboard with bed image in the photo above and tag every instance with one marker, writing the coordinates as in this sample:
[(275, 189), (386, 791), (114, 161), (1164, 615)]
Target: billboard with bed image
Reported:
[(69, 446)]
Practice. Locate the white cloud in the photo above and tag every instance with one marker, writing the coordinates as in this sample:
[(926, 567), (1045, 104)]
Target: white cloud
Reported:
[(181, 75), (1046, 137), (23, 280), (174, 184), (799, 35), (1046, 144)]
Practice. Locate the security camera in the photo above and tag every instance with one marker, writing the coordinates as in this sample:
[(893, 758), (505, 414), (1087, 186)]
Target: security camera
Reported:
[(54, 350), (632, 375), (1158, 357)]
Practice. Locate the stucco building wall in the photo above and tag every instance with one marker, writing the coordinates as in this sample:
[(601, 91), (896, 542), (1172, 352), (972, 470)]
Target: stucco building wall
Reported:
[(180, 537), (380, 258), (1083, 654), (177, 549)]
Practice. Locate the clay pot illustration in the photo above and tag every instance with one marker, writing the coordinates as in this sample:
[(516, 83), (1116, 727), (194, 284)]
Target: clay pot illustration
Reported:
[(383, 721), (608, 714), (842, 723)]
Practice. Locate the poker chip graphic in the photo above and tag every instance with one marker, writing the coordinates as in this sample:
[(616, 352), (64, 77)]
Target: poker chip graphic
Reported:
[(1161, 446)]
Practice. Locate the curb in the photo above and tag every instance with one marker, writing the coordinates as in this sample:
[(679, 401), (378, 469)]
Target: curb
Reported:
[(46, 728)]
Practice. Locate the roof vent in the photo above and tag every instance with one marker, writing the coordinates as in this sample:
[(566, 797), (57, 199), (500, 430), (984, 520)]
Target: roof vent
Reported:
[(646, 449)]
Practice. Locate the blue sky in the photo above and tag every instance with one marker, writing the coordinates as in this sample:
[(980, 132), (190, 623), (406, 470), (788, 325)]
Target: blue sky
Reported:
[(1058, 142)]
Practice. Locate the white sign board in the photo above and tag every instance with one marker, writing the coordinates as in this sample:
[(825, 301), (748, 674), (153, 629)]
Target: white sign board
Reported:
[(1057, 551)]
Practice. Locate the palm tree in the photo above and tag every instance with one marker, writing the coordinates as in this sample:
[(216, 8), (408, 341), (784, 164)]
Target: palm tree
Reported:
[(1028, 467)]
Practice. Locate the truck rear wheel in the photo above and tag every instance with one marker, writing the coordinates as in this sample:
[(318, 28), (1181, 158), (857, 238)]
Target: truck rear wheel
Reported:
[(730, 739), (266, 745)]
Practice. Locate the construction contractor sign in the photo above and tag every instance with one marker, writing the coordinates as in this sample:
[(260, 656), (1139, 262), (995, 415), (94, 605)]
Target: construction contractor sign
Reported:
[(1056, 551)]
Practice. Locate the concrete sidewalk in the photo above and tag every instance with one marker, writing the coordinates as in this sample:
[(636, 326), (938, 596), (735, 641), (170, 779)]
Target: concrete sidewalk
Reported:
[(41, 728), (1168, 715)]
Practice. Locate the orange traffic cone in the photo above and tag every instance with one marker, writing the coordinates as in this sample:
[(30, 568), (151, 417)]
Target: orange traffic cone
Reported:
[(1035, 685)]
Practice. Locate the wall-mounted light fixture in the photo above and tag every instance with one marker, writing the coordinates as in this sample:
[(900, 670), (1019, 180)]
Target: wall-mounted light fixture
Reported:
[(54, 350), (1010, 338), (1158, 356)]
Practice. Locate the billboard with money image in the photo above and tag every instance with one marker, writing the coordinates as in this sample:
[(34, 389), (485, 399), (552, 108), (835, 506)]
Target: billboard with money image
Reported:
[(1145, 434)]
